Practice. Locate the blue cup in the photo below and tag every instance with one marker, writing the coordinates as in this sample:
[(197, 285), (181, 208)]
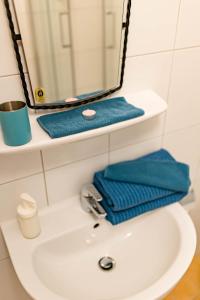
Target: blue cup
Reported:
[(15, 123)]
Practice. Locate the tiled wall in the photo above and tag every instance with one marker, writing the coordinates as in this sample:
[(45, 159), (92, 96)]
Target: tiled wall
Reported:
[(164, 55)]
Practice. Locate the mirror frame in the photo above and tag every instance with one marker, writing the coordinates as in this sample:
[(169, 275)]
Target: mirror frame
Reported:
[(17, 37)]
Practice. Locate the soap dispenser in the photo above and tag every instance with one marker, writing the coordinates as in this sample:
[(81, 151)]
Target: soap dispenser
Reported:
[(27, 215)]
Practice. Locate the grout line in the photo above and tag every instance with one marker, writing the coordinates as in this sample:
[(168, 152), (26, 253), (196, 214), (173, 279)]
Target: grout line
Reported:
[(168, 96), (163, 51), (182, 128), (8, 75), (44, 177), (149, 53), (170, 75), (21, 178), (11, 75), (177, 25)]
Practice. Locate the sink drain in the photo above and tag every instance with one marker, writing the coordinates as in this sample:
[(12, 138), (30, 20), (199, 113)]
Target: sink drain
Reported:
[(107, 263)]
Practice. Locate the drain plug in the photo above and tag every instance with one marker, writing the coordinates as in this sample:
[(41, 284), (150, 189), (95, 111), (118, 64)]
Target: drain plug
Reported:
[(107, 263)]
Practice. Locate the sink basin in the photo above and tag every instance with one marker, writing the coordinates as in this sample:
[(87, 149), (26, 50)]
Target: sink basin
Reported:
[(144, 258)]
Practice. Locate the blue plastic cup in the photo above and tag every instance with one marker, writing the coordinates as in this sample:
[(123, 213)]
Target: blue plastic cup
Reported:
[(15, 123)]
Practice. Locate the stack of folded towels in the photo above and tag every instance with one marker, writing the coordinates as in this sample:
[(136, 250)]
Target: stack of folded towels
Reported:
[(134, 187)]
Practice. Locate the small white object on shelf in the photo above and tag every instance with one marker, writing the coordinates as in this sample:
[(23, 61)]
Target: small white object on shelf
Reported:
[(27, 216), (89, 114), (152, 104), (72, 100)]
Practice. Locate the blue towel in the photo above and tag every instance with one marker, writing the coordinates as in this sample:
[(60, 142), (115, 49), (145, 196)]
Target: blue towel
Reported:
[(71, 122), (123, 195), (89, 95), (157, 169), (124, 215), (124, 200)]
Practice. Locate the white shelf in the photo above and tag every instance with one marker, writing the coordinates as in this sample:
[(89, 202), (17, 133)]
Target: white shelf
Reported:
[(151, 103)]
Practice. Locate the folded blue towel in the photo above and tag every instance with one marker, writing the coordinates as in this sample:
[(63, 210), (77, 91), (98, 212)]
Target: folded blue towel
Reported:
[(157, 169), (124, 215), (71, 122), (123, 200), (123, 195)]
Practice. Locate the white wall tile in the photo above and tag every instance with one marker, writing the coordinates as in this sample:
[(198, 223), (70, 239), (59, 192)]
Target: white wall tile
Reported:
[(189, 24), (136, 150), (67, 181), (11, 88), (7, 55), (195, 213), (185, 146), (19, 165), (184, 96), (3, 249), (136, 134), (197, 187), (11, 288), (10, 192), (153, 26), (148, 72), (69, 153)]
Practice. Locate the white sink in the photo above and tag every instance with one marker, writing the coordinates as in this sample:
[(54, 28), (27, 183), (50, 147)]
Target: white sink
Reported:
[(151, 252)]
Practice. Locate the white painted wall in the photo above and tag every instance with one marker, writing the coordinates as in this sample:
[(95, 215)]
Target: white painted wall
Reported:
[(164, 55)]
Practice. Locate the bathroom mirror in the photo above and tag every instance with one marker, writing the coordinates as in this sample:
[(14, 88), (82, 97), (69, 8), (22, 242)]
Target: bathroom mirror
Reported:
[(74, 49)]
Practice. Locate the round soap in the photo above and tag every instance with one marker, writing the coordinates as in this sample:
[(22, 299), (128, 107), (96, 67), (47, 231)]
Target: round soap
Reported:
[(89, 114)]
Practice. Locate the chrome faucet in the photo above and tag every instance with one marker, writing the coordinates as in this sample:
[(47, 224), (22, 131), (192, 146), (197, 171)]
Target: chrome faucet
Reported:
[(90, 198)]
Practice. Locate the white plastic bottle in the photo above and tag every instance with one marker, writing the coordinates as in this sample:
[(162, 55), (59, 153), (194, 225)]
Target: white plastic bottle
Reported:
[(27, 215)]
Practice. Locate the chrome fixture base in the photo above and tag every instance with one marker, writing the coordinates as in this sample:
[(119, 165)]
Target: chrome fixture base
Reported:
[(90, 198)]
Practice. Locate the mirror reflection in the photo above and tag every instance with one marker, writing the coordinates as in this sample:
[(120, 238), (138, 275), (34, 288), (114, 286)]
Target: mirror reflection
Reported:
[(72, 47)]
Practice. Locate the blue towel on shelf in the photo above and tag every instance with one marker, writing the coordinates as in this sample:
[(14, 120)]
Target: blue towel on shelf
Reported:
[(158, 169), (71, 122), (124, 199), (89, 95)]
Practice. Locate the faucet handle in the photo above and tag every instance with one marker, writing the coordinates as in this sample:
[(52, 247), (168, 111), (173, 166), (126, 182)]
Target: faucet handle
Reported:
[(96, 208), (90, 191), (90, 198)]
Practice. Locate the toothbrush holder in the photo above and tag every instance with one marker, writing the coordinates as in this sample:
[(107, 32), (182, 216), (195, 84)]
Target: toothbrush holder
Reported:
[(15, 123)]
